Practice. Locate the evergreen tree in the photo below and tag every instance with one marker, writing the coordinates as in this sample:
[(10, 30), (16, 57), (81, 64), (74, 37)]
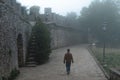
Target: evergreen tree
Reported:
[(100, 14), (42, 42)]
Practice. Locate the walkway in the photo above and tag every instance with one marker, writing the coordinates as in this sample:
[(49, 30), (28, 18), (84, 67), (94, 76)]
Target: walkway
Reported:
[(83, 68)]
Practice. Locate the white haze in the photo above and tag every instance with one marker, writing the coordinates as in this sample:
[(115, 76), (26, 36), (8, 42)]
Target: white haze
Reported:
[(58, 6)]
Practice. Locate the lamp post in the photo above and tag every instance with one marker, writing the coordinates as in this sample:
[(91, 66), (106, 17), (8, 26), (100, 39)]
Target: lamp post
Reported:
[(104, 43)]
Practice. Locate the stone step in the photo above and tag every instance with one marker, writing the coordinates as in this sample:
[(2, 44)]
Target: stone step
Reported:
[(31, 51), (31, 58), (33, 42), (31, 54), (32, 62), (33, 37), (32, 47), (31, 65)]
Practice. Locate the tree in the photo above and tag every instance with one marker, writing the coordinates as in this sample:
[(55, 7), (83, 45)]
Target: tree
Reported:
[(71, 19), (42, 42), (99, 14)]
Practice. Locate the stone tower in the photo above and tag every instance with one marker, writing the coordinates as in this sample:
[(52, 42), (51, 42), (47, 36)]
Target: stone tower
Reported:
[(48, 14), (34, 12)]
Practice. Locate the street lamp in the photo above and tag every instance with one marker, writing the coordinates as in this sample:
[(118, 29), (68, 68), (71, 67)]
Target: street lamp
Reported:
[(104, 42)]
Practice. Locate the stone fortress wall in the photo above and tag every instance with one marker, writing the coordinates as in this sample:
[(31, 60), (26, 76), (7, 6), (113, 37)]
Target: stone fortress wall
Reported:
[(15, 30), (61, 33), (14, 34)]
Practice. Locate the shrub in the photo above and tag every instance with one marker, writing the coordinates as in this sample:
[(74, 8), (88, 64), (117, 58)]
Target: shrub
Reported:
[(42, 42), (14, 73)]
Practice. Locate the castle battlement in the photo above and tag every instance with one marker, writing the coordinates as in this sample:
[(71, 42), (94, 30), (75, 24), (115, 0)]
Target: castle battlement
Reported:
[(14, 7)]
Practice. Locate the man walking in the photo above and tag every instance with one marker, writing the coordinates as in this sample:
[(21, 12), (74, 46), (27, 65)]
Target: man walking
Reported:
[(68, 58)]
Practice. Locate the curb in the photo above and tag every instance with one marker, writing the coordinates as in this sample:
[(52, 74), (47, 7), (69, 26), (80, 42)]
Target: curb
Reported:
[(98, 63)]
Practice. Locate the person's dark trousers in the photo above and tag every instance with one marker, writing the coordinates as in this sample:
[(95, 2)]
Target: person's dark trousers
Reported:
[(68, 65)]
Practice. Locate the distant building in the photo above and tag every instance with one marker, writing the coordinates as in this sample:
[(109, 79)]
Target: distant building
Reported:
[(34, 12), (48, 14)]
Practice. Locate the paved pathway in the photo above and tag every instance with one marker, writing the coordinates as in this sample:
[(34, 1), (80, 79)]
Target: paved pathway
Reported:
[(83, 68)]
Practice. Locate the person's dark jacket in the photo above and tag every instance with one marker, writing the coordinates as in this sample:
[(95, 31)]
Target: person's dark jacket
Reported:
[(68, 58)]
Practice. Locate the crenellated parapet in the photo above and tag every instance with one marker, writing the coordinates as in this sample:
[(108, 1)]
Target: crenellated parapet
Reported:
[(18, 8), (15, 8), (47, 17), (34, 13)]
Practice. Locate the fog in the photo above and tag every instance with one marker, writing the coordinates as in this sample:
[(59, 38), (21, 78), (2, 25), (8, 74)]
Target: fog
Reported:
[(58, 6), (31, 36)]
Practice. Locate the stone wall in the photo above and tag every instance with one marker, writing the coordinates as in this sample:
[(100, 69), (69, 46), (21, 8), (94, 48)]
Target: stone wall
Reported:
[(12, 24), (63, 36), (15, 30), (57, 37)]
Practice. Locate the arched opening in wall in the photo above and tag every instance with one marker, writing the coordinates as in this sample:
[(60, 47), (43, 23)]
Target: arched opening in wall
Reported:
[(20, 50)]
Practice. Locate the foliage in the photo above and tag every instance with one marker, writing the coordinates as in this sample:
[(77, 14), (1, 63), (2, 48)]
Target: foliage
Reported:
[(14, 73), (42, 40), (3, 78), (100, 14), (71, 20), (112, 57)]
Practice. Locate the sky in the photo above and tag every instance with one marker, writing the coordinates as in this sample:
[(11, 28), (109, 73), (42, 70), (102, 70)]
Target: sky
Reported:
[(61, 7)]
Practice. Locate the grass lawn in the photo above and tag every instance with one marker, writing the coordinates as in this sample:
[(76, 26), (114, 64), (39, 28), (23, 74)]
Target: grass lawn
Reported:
[(112, 57)]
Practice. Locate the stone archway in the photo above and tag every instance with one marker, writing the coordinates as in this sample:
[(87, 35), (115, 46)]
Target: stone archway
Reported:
[(20, 50)]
